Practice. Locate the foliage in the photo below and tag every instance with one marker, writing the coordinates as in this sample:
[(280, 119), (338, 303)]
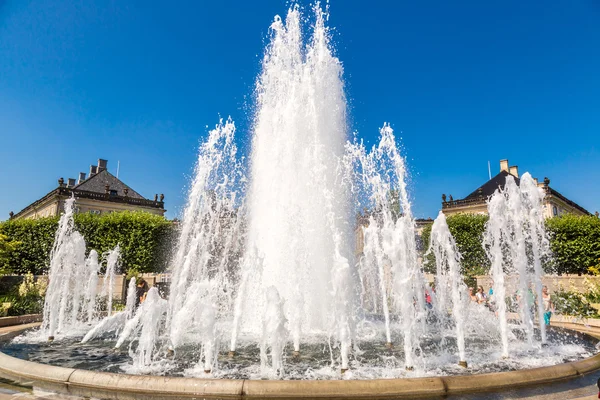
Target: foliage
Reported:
[(144, 239), (7, 246), (467, 230), (27, 298), (573, 303), (575, 243), (36, 237)]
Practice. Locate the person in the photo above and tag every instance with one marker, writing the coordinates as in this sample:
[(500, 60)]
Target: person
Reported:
[(548, 305), (428, 302), (491, 298), (480, 297), (471, 295), (141, 291)]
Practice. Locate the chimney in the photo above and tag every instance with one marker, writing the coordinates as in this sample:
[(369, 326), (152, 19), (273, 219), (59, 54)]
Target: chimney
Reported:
[(514, 171), (536, 182), (81, 177), (503, 165), (71, 182), (102, 165), (93, 170)]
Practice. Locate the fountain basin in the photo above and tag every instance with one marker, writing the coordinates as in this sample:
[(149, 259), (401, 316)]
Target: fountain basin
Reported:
[(123, 386)]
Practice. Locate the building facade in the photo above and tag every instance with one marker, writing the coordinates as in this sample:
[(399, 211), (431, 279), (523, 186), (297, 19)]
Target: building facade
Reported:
[(555, 204), (100, 192)]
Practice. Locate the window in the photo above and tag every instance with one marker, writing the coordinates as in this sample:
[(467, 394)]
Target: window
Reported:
[(554, 211), (113, 192)]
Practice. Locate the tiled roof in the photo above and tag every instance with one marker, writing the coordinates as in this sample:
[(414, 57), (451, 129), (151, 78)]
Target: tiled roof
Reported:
[(97, 183), (488, 188)]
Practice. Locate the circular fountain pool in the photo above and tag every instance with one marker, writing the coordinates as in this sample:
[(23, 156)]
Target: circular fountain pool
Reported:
[(370, 360)]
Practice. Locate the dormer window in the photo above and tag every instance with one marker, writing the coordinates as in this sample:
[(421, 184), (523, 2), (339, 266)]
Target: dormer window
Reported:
[(113, 192)]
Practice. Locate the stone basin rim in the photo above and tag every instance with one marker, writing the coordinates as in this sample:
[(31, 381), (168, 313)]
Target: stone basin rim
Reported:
[(124, 386)]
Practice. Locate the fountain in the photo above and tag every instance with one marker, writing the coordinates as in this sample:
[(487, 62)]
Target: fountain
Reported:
[(448, 275), (516, 242), (266, 264)]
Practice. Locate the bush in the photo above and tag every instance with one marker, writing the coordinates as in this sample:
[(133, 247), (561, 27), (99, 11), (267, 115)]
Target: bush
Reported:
[(573, 303), (7, 246), (145, 240), (27, 298), (575, 243)]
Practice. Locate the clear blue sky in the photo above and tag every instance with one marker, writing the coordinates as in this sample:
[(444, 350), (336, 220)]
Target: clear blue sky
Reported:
[(139, 81)]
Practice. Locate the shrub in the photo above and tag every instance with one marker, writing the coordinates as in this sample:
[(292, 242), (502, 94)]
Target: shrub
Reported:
[(26, 298), (467, 230), (573, 303), (575, 243), (145, 240)]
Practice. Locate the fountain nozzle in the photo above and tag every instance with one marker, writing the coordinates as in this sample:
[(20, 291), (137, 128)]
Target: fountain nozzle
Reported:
[(231, 353), (295, 354), (170, 353), (462, 364), (410, 368), (389, 345), (50, 338), (343, 370)]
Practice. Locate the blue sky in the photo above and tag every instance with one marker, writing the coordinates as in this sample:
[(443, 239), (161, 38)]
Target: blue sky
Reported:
[(139, 81)]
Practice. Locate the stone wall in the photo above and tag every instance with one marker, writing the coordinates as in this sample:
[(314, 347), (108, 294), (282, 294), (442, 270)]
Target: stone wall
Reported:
[(119, 287), (554, 282)]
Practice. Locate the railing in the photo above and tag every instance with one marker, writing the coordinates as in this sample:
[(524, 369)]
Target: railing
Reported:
[(463, 202), (64, 191)]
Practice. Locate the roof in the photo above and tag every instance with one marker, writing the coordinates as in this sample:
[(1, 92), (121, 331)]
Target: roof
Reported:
[(488, 188), (97, 183), (569, 202)]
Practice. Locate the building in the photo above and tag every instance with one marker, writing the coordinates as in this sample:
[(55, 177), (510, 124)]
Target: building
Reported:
[(101, 192), (475, 203)]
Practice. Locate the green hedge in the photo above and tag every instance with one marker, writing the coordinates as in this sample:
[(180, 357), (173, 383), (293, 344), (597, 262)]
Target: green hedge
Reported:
[(574, 241), (467, 230), (145, 240)]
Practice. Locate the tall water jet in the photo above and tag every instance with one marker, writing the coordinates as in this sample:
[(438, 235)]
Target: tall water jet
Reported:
[(91, 288), (390, 236), (115, 322), (516, 242), (494, 244), (112, 259), (447, 259), (149, 317), (274, 333), (298, 206), (131, 298), (210, 240), (67, 269), (533, 197)]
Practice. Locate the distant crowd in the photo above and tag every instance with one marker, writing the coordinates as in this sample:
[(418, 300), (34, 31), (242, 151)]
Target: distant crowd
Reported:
[(480, 297)]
